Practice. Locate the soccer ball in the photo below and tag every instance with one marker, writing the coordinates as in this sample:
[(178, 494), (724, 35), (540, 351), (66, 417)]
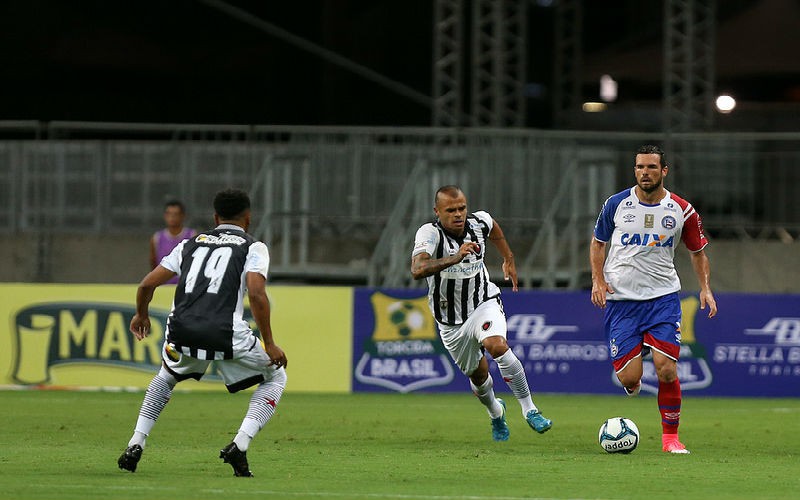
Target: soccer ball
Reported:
[(619, 435)]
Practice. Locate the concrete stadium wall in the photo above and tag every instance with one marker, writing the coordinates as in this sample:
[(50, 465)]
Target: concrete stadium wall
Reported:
[(747, 266), (76, 259)]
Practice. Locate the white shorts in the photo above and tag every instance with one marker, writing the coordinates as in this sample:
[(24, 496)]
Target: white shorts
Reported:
[(464, 342), (249, 366)]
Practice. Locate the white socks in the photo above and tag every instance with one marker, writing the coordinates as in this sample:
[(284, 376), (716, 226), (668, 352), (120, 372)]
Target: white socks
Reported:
[(485, 394), (262, 407), (155, 399), (514, 374)]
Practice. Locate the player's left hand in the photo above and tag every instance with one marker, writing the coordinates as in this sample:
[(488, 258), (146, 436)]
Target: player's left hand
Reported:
[(276, 355), (510, 273), (707, 298)]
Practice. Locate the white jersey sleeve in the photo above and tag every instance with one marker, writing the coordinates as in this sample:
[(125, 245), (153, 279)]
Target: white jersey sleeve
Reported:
[(426, 240), (173, 260), (257, 259), (485, 218)]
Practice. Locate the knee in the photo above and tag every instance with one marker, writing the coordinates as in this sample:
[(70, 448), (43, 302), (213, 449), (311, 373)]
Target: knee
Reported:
[(167, 376), (278, 377), (631, 374), (495, 346), (667, 375), (628, 379), (667, 371)]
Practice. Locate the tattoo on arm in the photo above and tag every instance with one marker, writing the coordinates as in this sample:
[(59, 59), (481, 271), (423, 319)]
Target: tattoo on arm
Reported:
[(423, 266)]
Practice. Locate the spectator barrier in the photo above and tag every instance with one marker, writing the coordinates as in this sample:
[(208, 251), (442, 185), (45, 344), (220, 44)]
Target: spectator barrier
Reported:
[(752, 347), (67, 336), (342, 339)]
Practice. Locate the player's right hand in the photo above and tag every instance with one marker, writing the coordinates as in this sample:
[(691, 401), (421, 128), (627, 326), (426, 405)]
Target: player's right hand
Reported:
[(140, 326), (468, 248), (599, 290)]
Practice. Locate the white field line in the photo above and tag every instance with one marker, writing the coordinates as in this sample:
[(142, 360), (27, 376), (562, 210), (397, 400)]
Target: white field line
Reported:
[(310, 494)]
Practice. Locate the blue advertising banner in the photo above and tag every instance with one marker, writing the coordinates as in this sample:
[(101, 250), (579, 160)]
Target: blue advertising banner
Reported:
[(396, 346), (752, 347)]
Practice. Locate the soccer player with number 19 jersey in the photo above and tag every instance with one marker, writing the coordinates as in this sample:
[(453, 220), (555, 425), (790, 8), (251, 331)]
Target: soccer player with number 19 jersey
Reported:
[(638, 286), (206, 325)]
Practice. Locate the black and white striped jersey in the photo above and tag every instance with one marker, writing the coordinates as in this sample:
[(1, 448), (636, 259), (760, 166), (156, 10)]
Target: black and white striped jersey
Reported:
[(206, 320), (454, 292)]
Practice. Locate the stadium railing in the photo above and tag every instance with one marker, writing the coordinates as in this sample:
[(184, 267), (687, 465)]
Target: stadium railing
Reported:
[(333, 201)]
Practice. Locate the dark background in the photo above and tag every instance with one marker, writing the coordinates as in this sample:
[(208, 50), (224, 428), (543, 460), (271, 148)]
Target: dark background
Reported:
[(183, 61)]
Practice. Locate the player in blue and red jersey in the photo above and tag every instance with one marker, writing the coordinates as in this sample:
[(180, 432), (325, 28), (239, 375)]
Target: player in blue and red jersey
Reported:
[(638, 286)]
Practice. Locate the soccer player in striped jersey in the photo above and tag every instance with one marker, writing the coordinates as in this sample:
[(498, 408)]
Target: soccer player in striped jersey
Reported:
[(206, 324), (466, 305), (638, 286)]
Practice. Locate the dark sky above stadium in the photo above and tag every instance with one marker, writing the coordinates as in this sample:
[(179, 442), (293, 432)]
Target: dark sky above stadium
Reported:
[(183, 61)]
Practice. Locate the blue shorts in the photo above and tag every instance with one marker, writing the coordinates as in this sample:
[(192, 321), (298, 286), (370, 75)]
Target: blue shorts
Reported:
[(631, 324)]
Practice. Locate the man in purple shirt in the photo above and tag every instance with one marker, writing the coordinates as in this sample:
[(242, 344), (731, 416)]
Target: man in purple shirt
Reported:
[(163, 241)]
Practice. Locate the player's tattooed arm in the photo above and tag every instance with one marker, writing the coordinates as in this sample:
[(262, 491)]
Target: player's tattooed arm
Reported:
[(422, 265)]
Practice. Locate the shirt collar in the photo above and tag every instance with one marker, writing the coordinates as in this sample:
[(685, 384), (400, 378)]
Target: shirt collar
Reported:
[(230, 227)]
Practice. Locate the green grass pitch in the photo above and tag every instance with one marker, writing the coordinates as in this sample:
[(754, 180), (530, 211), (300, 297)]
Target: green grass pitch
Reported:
[(64, 445)]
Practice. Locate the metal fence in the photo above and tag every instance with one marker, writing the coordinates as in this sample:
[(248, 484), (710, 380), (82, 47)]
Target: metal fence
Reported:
[(344, 202)]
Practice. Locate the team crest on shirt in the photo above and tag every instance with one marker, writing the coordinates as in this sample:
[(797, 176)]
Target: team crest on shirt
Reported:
[(668, 222)]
